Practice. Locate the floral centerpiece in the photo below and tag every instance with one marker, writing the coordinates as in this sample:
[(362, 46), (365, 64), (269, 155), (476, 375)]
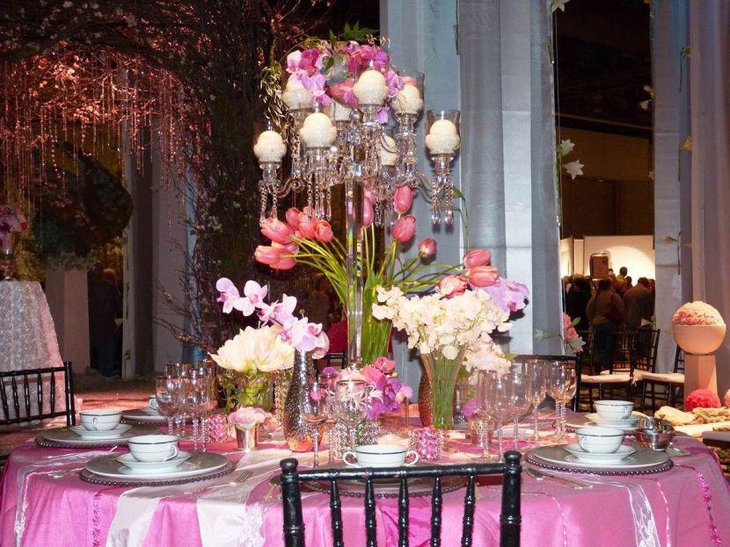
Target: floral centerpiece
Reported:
[(251, 357), (698, 328), (12, 222), (453, 326)]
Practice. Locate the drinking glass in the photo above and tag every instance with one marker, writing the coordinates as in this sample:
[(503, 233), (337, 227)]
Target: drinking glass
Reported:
[(482, 414), (329, 382), (562, 386), (314, 411), (498, 393), (166, 388), (520, 401), (196, 398), (350, 405), (537, 389)]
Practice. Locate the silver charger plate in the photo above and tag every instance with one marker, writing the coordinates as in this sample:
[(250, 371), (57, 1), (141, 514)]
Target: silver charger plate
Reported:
[(139, 416), (643, 462), (200, 466), (65, 438)]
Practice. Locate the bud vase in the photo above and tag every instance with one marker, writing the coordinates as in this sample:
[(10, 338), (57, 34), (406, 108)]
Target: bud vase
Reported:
[(247, 437), (297, 432)]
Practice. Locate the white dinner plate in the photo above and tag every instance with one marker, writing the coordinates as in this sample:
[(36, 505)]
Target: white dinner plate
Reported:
[(115, 433), (199, 463), (631, 421), (66, 436), (140, 415), (559, 457), (623, 453), (136, 466), (150, 411)]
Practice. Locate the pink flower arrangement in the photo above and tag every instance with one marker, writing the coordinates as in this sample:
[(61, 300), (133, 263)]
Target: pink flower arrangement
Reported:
[(697, 313), (248, 416), (12, 220), (701, 398)]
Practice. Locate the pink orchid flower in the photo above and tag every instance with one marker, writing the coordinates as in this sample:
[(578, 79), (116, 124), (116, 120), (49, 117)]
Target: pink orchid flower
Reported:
[(278, 311), (295, 332), (231, 298), (255, 292)]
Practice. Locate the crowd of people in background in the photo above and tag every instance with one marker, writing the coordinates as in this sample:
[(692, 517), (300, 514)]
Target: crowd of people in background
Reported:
[(605, 306)]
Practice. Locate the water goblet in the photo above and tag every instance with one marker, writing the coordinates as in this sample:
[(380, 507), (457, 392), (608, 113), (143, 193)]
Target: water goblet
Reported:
[(350, 405), (166, 388), (314, 411), (498, 394), (520, 402), (482, 414), (537, 389), (562, 385)]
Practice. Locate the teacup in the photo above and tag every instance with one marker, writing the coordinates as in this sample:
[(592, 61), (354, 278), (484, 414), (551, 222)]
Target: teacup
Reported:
[(100, 420), (599, 440), (154, 448), (377, 455), (614, 410), (152, 403)]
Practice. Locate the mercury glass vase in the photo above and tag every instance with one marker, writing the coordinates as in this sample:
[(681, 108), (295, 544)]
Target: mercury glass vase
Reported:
[(297, 432)]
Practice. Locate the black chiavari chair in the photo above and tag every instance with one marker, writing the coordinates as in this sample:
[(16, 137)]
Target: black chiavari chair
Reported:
[(510, 516), (23, 395)]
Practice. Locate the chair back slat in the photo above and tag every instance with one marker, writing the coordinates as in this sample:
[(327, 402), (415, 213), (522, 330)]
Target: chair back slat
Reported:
[(4, 398), (469, 501), (510, 518), (403, 512), (14, 393), (371, 540), (70, 401), (679, 360), (437, 502), (53, 393), (336, 510), (26, 395), (39, 389)]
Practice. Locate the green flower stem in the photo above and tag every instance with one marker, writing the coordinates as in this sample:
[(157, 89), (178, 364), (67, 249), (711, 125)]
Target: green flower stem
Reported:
[(442, 375)]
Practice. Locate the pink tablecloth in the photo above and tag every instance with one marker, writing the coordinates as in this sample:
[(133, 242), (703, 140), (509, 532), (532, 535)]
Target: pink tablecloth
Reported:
[(45, 503)]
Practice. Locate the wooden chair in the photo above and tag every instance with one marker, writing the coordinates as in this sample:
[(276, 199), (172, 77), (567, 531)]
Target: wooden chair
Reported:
[(335, 360), (672, 382), (620, 377), (509, 518), (27, 393)]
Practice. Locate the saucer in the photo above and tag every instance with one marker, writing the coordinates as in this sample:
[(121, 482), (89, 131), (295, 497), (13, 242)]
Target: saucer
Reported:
[(128, 461), (115, 433), (151, 411), (629, 424), (581, 455)]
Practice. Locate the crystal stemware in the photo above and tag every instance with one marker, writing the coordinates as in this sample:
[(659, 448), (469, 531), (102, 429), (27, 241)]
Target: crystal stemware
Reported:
[(166, 388), (520, 401), (498, 393), (562, 385), (314, 411), (537, 389), (350, 405), (482, 414)]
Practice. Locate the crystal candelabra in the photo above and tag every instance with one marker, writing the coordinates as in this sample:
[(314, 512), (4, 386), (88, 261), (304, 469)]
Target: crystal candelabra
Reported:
[(338, 144)]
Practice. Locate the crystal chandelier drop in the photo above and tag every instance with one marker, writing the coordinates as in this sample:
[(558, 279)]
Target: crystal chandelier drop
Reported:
[(365, 150)]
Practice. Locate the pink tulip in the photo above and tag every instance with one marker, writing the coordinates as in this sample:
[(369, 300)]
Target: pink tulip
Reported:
[(368, 213), (403, 199), (323, 231), (276, 230), (284, 264), (292, 217), (266, 254), (307, 227), (483, 276), (452, 285), (404, 228), (427, 248), (477, 257), (290, 249)]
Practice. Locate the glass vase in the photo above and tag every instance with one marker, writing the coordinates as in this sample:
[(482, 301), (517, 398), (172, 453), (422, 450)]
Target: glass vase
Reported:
[(442, 374), (297, 432), (247, 389)]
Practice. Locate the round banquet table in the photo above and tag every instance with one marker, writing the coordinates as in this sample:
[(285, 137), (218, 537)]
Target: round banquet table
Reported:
[(44, 502)]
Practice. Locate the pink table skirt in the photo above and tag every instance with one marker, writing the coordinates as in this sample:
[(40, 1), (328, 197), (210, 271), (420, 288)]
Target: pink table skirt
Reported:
[(44, 503)]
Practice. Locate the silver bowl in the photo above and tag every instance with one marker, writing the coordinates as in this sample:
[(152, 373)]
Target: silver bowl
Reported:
[(654, 439), (654, 424)]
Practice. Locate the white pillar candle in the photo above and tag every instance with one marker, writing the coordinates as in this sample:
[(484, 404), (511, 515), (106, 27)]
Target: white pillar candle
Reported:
[(371, 88), (408, 100), (296, 97), (269, 147), (339, 112), (388, 151), (317, 131), (443, 137)]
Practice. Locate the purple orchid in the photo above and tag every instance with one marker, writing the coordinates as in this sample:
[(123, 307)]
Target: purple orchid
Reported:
[(508, 295), (231, 298)]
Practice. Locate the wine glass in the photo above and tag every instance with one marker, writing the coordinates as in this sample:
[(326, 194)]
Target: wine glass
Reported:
[(537, 389), (520, 401), (350, 405), (166, 388), (314, 411), (195, 398), (329, 382), (498, 393), (562, 387), (483, 416)]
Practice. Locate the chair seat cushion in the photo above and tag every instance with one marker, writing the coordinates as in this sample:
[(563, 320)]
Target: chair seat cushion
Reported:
[(659, 377), (619, 370), (615, 378)]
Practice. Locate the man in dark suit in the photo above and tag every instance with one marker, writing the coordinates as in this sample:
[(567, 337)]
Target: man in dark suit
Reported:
[(638, 305)]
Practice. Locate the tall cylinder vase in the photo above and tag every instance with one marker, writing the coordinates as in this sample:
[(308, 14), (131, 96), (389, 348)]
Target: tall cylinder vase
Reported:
[(442, 374), (297, 432)]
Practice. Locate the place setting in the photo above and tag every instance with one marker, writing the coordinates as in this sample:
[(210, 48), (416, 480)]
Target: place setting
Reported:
[(609, 413), (155, 460), (149, 414), (98, 428)]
